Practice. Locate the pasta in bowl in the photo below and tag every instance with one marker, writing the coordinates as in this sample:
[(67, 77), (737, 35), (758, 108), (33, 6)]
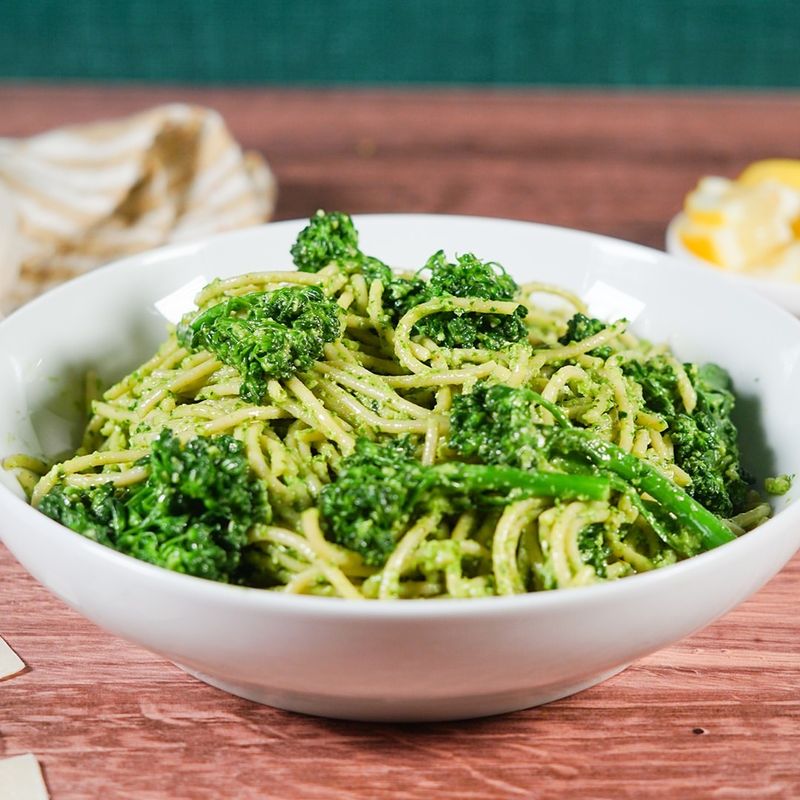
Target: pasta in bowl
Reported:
[(347, 430), (451, 433)]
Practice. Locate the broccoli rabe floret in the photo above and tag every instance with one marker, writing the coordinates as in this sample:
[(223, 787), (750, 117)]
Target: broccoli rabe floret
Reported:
[(494, 425), (491, 423), (327, 238), (265, 335), (375, 490), (381, 487), (331, 238), (711, 452), (705, 441), (400, 295), (192, 514), (659, 385), (468, 276), (580, 327), (594, 549)]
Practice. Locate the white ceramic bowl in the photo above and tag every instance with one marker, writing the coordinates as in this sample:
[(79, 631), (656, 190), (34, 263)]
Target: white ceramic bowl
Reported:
[(785, 293), (413, 660)]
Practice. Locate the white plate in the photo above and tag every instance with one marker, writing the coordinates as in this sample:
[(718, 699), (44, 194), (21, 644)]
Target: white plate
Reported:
[(785, 293), (415, 660)]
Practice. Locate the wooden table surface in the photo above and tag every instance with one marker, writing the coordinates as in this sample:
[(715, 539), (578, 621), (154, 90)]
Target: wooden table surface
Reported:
[(717, 715)]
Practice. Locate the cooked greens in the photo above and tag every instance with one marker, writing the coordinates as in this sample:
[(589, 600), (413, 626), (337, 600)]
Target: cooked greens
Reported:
[(265, 334), (191, 514)]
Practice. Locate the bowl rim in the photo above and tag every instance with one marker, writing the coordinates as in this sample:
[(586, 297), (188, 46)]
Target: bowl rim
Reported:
[(407, 609)]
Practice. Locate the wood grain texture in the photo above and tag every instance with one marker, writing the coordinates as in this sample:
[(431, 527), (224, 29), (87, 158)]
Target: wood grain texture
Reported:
[(716, 716)]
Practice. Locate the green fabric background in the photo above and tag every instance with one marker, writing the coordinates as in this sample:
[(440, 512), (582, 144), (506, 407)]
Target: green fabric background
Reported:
[(572, 42)]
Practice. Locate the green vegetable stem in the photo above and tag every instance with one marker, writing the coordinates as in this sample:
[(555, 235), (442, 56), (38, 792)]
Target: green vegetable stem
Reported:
[(382, 486), (494, 424)]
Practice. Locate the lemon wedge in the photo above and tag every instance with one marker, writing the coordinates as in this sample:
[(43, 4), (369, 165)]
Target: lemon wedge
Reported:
[(785, 171), (783, 265), (738, 226)]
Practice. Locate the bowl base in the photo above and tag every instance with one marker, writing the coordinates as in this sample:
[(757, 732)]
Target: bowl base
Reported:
[(434, 709)]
